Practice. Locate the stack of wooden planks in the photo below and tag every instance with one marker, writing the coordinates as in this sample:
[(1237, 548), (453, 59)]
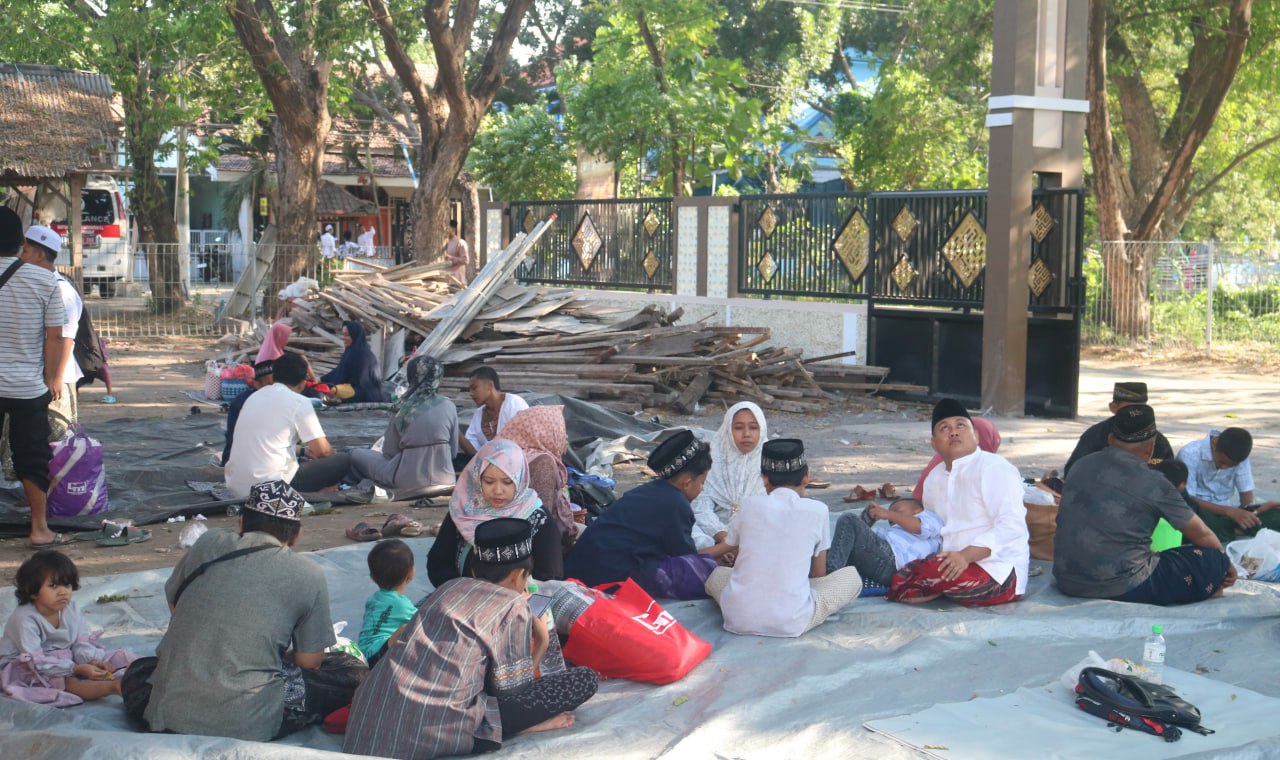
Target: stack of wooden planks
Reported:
[(551, 340)]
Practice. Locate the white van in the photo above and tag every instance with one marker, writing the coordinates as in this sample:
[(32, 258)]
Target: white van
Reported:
[(107, 250)]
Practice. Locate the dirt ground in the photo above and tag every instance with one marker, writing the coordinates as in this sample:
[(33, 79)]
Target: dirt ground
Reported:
[(858, 442)]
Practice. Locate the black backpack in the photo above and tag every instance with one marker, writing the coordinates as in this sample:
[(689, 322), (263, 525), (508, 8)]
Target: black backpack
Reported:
[(1129, 702), (87, 351)]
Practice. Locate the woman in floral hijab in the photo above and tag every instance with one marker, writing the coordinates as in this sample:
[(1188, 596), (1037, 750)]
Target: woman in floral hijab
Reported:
[(494, 484)]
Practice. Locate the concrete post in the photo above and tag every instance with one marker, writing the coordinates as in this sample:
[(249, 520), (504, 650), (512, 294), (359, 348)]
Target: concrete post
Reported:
[(1036, 120)]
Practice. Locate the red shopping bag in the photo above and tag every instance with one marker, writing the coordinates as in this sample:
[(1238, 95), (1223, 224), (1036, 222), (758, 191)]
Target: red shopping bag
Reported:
[(629, 635)]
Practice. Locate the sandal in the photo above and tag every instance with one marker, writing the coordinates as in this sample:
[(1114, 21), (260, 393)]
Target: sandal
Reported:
[(860, 494), (363, 531), (129, 535), (108, 399), (887, 491), (401, 525), (818, 484), (59, 539)]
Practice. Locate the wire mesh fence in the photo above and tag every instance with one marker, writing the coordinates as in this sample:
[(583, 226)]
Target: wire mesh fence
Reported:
[(185, 290), (1192, 295)]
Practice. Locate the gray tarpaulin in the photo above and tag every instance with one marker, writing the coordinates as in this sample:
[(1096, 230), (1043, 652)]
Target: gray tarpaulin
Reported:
[(149, 460), (756, 697)]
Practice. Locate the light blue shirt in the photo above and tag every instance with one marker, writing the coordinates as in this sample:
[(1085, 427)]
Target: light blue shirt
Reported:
[(1208, 483), (907, 546)]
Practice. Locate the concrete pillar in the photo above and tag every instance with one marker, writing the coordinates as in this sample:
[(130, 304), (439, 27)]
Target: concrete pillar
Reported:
[(687, 246), (1036, 120)]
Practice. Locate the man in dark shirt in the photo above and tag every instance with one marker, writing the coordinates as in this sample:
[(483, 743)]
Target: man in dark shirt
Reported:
[(1095, 438), (1109, 511)]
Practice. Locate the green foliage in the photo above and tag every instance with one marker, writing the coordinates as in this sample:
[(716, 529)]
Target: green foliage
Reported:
[(692, 110), (522, 156), (909, 134)]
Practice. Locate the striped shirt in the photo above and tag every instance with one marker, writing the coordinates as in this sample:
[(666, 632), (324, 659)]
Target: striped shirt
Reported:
[(30, 302), (435, 690)]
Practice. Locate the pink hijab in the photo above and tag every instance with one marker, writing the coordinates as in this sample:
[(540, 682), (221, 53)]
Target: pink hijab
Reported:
[(273, 346), (468, 507), (988, 440), (540, 432)]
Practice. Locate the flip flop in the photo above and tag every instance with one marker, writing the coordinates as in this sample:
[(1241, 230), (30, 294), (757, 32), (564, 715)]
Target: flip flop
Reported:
[(401, 525), (103, 532), (59, 539), (887, 491), (363, 531), (818, 484), (129, 536), (108, 399)]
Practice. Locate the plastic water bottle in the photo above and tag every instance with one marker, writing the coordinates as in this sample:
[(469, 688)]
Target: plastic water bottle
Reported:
[(1153, 655)]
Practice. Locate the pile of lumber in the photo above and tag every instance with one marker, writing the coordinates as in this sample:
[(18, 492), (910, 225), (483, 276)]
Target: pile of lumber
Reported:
[(550, 340)]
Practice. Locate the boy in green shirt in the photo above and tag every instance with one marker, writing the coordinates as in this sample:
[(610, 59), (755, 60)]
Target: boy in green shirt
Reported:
[(388, 609)]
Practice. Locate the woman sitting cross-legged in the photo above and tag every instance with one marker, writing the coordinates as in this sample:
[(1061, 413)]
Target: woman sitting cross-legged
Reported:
[(735, 472), (463, 676), (647, 534), (494, 484), (421, 438), (357, 378)]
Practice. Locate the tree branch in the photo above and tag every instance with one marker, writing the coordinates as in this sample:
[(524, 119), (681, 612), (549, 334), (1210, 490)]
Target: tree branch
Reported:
[(491, 76), (1231, 166), (1217, 84), (842, 61), (405, 69), (264, 54)]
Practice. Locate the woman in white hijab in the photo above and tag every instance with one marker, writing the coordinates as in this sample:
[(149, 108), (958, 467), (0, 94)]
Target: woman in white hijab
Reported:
[(735, 472)]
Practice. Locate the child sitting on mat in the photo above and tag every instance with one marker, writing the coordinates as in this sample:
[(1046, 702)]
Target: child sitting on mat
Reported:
[(388, 609), (47, 654), (909, 532)]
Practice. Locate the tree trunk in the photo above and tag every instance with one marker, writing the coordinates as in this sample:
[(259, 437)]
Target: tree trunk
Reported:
[(157, 231), (299, 159)]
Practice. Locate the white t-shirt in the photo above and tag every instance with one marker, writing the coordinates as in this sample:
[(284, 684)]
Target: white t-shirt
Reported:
[(777, 536), (73, 304), (327, 244), (510, 405), (30, 305), (366, 242), (980, 503), (272, 422)]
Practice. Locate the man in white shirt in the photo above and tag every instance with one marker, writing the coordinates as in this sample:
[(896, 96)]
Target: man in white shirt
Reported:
[(40, 248), (31, 347), (365, 241), (779, 584), (978, 495), (1220, 481), (272, 423), (494, 409), (328, 243)]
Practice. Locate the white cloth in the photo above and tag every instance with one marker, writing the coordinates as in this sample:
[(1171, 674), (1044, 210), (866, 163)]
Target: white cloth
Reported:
[(271, 423), (907, 546), (73, 304), (733, 478), (365, 239), (980, 503), (1205, 481), (777, 536), (327, 244), (510, 406)]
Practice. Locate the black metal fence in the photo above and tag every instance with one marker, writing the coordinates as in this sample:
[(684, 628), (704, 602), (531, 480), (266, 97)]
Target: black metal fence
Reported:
[(910, 248), (619, 244)]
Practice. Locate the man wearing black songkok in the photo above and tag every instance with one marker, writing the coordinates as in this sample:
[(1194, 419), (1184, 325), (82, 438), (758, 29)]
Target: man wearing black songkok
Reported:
[(1095, 438)]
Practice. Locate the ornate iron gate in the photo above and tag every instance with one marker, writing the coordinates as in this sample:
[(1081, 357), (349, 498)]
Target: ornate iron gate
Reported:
[(621, 244), (918, 259)]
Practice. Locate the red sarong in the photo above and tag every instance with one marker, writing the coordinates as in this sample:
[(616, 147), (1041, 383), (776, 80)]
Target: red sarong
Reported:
[(922, 580)]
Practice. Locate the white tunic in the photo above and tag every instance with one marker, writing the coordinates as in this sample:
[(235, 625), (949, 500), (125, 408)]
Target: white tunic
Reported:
[(510, 406), (980, 503)]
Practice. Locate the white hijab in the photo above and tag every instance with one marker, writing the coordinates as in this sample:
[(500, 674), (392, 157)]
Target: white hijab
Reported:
[(734, 476)]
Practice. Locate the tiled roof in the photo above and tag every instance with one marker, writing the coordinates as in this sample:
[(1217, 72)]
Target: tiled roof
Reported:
[(383, 166), (334, 201), (55, 121)]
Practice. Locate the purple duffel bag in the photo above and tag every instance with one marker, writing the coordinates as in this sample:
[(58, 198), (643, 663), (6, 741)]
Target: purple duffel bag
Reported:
[(78, 484)]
